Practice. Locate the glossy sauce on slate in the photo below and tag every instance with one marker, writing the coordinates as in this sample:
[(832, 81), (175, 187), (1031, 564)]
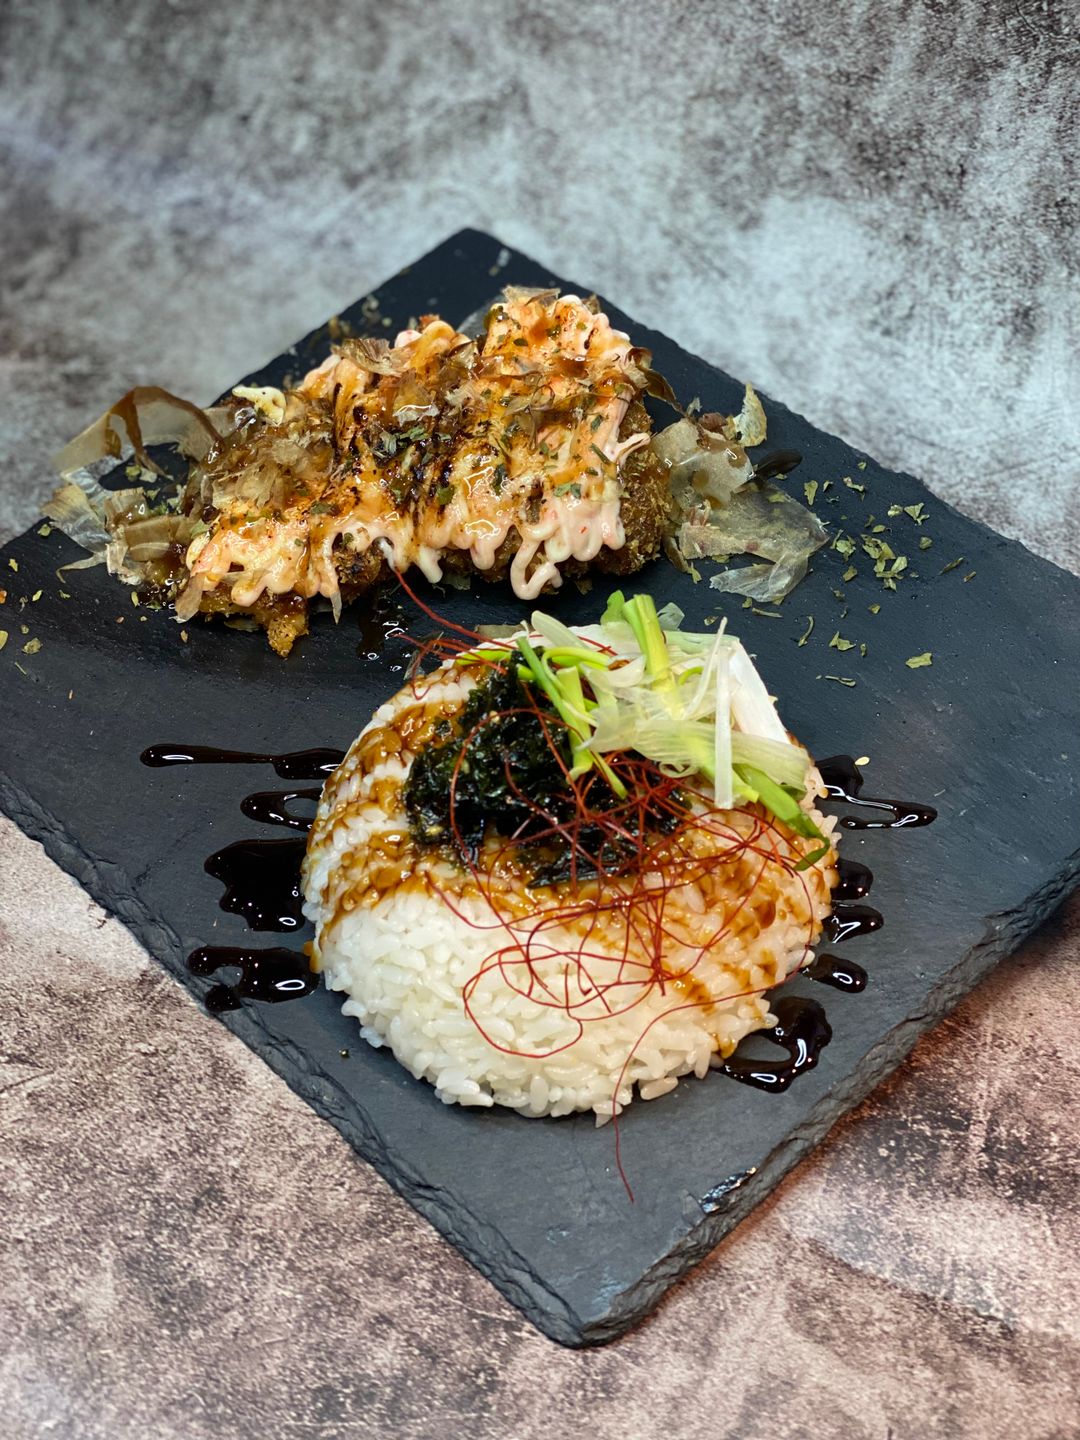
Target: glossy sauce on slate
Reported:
[(844, 781), (270, 975), (262, 883)]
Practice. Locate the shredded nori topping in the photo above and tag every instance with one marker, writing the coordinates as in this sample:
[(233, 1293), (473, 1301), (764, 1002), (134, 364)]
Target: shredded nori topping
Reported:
[(512, 781)]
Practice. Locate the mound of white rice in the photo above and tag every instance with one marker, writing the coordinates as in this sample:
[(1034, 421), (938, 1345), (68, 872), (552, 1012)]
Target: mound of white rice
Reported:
[(415, 945)]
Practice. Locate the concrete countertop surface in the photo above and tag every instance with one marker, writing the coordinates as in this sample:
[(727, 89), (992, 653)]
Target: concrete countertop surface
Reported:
[(874, 218)]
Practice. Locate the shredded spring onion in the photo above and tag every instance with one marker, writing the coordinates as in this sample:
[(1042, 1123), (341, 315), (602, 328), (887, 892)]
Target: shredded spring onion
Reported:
[(693, 703)]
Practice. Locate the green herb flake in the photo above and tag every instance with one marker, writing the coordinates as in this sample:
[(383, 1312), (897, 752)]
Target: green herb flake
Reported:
[(925, 542), (13, 564), (37, 594), (3, 638), (595, 423), (444, 494), (321, 508), (25, 629), (805, 636), (826, 486), (810, 489), (862, 465), (873, 609), (917, 512), (597, 451), (844, 546), (841, 680), (878, 529), (134, 597), (839, 643), (952, 565), (32, 647), (854, 485), (748, 604), (919, 662), (569, 487), (850, 573), (969, 576), (44, 529), (520, 340), (862, 651), (769, 614)]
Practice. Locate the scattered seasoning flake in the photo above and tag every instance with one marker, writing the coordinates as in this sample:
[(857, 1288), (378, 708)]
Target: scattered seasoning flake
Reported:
[(873, 609), (850, 573), (807, 632), (3, 638), (35, 596), (952, 565), (810, 489), (862, 465), (970, 576), (917, 512), (64, 595), (878, 529), (826, 486), (854, 485), (769, 614), (32, 647), (839, 643), (862, 652), (845, 546), (134, 597), (917, 662), (842, 680), (25, 629), (13, 564), (925, 542), (183, 636), (44, 529)]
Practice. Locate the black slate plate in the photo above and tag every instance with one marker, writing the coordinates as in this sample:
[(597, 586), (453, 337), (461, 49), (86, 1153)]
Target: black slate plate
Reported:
[(989, 734)]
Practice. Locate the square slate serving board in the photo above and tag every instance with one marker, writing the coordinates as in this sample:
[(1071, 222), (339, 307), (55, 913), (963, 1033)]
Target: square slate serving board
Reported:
[(990, 734)]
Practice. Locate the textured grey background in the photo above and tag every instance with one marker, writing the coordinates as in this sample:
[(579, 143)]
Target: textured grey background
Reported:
[(873, 215)]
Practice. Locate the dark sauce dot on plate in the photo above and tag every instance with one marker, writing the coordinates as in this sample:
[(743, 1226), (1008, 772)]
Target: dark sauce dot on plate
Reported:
[(270, 975), (844, 781), (314, 764), (801, 1029), (849, 921), (839, 974), (777, 462), (262, 881), (271, 807)]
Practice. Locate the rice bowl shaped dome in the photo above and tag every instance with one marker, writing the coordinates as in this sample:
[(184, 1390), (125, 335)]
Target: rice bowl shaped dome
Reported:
[(553, 999)]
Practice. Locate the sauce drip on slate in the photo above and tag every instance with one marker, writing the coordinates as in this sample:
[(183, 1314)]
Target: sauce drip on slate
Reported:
[(848, 921), (801, 1029), (840, 974), (271, 975), (295, 765), (777, 462), (262, 881), (271, 807), (382, 630), (844, 781), (855, 880)]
